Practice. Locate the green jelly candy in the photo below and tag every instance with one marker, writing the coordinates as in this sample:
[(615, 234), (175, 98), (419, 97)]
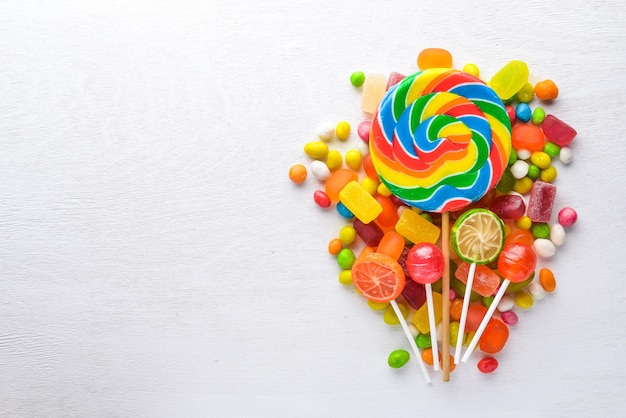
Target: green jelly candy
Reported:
[(423, 341), (514, 287), (398, 358), (513, 156), (510, 79)]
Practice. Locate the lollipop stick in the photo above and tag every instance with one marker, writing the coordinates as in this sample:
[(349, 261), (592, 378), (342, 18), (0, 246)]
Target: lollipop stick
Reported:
[(466, 300), (485, 321), (445, 295), (409, 336), (432, 324)]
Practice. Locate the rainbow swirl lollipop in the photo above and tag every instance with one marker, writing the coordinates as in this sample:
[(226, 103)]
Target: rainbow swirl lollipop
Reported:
[(440, 139)]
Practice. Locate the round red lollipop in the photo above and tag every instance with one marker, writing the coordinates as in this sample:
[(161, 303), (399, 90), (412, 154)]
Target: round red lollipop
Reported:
[(424, 262)]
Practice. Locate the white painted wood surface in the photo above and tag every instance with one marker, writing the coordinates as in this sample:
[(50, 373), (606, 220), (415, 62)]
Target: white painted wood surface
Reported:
[(156, 262)]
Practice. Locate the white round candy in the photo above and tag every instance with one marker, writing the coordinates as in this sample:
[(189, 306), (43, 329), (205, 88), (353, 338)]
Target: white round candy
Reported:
[(506, 303), (544, 247), (566, 155), (320, 170), (523, 154), (557, 234), (326, 132), (519, 169), (536, 291)]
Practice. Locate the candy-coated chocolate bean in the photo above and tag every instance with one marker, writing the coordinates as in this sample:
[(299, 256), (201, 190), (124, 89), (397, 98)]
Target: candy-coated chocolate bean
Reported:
[(334, 160), (540, 230), (519, 169), (510, 111), (370, 185), (316, 149), (544, 248), (494, 337), (487, 365), (558, 131), (377, 306), (297, 173), (345, 277), (523, 185), (423, 341), (538, 116), (548, 175), (344, 211), (321, 198), (526, 93), (523, 112), (508, 206), (509, 317), (320, 170), (354, 159), (456, 308), (546, 90), (547, 280), (506, 304), (326, 131), (533, 172), (334, 246), (567, 217), (536, 291), (566, 156), (540, 159), (557, 234), (524, 222), (454, 333), (346, 258), (347, 234), (398, 358), (551, 149)]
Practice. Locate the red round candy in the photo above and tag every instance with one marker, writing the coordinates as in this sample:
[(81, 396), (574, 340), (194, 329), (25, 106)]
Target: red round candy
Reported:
[(424, 262), (517, 261), (487, 365)]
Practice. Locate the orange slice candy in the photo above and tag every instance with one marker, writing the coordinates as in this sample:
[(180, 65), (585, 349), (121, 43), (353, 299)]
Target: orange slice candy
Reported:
[(378, 277)]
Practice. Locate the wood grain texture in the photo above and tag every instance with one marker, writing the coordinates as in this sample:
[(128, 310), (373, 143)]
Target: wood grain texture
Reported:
[(156, 262)]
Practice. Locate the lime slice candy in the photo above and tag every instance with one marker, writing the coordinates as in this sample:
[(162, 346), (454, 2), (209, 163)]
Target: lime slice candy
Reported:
[(478, 236)]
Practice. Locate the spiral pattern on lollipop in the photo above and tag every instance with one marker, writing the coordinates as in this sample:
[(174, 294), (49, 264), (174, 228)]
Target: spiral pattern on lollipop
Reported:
[(440, 139)]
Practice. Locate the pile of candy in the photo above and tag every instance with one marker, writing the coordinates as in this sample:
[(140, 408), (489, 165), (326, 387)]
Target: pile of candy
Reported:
[(449, 204)]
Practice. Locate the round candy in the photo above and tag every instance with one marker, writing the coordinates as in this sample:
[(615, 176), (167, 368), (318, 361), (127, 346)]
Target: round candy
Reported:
[(517, 261), (440, 139), (424, 262)]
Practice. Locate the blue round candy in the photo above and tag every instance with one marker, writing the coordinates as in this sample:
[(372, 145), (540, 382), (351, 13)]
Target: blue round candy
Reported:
[(523, 112), (344, 211)]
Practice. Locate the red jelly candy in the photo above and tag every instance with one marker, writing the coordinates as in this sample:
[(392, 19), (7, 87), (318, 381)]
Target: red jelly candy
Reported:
[(528, 137), (508, 206), (557, 131), (541, 201), (487, 365), (475, 314), (414, 293), (370, 233), (494, 337)]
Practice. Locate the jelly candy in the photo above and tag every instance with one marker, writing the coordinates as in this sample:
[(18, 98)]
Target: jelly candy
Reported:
[(541, 202)]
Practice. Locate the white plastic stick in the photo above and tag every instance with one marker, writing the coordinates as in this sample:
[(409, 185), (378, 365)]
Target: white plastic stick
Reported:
[(466, 301), (485, 321), (409, 336), (432, 324)]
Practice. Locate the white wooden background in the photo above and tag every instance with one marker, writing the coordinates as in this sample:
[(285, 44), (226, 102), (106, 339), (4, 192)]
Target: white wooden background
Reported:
[(156, 262)]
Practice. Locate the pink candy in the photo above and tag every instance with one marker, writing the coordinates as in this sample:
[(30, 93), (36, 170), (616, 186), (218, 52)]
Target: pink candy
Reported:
[(364, 130), (541, 201), (567, 217), (557, 131)]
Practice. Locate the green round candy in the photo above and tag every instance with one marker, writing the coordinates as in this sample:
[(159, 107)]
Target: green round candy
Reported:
[(423, 341), (398, 358), (533, 171), (506, 183), (357, 78), (427, 216), (346, 258), (538, 116), (540, 230), (552, 149), (513, 156), (488, 300)]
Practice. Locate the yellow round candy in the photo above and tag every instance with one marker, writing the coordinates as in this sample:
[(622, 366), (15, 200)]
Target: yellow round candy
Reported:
[(342, 130), (540, 159), (526, 93), (345, 277), (377, 306), (347, 235), (548, 175), (353, 159), (390, 316), (524, 222), (523, 185), (316, 149), (383, 190), (334, 160), (471, 69), (524, 300), (369, 184)]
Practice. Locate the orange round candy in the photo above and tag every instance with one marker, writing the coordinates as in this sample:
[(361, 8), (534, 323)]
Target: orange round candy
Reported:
[(434, 58), (456, 308), (528, 137), (378, 277), (334, 246), (546, 90), (297, 173), (517, 261), (546, 279), (494, 337)]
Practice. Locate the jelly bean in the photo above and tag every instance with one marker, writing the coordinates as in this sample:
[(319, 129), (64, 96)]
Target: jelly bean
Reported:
[(509, 317), (506, 304), (390, 316), (414, 293), (346, 258), (524, 222), (540, 230), (377, 306), (506, 183), (520, 235), (297, 173), (519, 169), (364, 130), (427, 356), (345, 277), (546, 90), (342, 130), (391, 244), (558, 131), (536, 291), (557, 234), (524, 300), (566, 156), (526, 93), (320, 170), (510, 79), (528, 137), (316, 149), (321, 198), (334, 246), (538, 116), (541, 201), (517, 261), (567, 217), (540, 159), (523, 185), (512, 157), (544, 248), (347, 234), (423, 341), (337, 181), (344, 211), (546, 279), (548, 175), (389, 216), (494, 337), (533, 172), (357, 78), (394, 78), (374, 88), (398, 358), (370, 185), (326, 132), (523, 112), (456, 307), (434, 58), (487, 365), (334, 160), (510, 111), (368, 167), (370, 233), (508, 206)]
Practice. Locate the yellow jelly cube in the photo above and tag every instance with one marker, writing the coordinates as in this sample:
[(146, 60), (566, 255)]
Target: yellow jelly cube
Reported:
[(362, 204), (374, 89), (416, 229), (420, 319)]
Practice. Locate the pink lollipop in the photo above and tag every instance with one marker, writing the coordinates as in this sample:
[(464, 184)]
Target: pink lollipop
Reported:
[(425, 262)]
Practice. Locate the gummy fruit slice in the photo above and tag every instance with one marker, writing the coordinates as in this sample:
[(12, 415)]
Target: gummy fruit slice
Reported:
[(478, 236), (378, 277)]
